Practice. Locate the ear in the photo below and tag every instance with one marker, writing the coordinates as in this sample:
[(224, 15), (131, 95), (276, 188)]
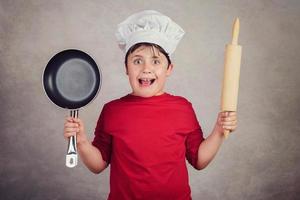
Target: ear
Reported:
[(126, 70), (170, 69)]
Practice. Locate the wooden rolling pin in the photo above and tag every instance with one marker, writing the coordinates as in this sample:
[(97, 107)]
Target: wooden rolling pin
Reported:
[(232, 63)]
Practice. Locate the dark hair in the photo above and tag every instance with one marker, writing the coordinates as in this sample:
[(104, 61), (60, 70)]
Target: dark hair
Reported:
[(147, 44)]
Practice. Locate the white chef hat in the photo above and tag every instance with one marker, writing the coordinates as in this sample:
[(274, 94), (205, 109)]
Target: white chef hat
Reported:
[(149, 26)]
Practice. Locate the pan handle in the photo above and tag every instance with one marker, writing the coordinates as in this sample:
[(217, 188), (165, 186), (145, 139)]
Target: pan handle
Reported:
[(72, 157)]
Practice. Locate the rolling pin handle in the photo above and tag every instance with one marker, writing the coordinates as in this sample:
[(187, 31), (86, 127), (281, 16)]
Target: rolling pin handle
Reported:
[(226, 133)]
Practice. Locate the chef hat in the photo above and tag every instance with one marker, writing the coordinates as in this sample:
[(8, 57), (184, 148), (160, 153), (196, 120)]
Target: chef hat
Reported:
[(149, 26)]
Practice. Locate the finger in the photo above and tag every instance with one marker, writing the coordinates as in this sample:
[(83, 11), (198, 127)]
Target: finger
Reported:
[(69, 134), (70, 125), (68, 119), (225, 119), (220, 118), (71, 130), (233, 113), (228, 119), (224, 114), (229, 127), (79, 122), (229, 124), (228, 113)]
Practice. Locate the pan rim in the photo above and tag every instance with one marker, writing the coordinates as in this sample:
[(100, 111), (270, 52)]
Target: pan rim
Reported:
[(97, 91)]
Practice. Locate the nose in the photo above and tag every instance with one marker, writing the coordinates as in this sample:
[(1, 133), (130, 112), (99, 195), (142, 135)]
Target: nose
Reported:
[(147, 68), (146, 72)]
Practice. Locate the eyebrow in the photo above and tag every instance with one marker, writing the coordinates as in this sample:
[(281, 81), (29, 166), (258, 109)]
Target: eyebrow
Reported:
[(139, 56)]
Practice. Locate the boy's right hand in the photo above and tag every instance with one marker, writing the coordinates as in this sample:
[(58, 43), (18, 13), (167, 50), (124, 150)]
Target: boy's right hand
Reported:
[(74, 126)]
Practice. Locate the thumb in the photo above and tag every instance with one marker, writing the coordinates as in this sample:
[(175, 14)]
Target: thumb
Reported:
[(79, 122), (220, 116)]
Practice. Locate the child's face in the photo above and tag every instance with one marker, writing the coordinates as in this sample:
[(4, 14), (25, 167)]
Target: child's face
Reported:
[(147, 69)]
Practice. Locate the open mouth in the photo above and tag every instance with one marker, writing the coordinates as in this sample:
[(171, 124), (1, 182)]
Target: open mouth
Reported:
[(146, 81)]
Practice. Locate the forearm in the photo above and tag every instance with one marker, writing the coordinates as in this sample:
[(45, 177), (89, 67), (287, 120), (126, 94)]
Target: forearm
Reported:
[(209, 148), (91, 157)]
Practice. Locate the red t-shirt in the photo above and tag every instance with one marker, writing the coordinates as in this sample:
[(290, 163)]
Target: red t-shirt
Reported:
[(146, 140)]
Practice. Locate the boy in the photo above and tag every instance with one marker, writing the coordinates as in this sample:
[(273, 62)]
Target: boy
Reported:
[(145, 136)]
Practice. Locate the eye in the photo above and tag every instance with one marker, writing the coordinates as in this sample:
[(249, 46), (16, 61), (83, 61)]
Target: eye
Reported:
[(137, 61), (156, 62)]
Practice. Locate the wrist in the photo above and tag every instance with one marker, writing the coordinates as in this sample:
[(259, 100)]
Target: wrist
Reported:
[(218, 130), (82, 142)]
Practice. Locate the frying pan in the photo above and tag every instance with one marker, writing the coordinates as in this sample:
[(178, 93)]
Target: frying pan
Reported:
[(71, 80)]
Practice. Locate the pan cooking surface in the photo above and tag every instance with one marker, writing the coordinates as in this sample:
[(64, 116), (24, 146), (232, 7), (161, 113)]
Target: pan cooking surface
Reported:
[(75, 80)]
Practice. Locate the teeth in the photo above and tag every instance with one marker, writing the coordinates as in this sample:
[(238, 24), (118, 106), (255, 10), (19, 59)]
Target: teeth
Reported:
[(145, 79)]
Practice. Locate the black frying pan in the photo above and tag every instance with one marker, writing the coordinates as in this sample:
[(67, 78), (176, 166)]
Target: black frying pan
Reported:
[(71, 80)]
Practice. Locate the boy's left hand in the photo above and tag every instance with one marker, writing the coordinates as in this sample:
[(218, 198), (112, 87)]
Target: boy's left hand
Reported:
[(226, 121)]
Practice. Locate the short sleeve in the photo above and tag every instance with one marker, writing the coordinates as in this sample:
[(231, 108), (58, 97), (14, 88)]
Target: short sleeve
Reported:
[(192, 144), (193, 139), (103, 140)]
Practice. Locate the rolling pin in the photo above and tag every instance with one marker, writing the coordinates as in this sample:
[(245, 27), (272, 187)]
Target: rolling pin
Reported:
[(232, 63)]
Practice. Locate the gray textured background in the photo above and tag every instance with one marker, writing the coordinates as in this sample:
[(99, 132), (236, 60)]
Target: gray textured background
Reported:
[(260, 161)]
